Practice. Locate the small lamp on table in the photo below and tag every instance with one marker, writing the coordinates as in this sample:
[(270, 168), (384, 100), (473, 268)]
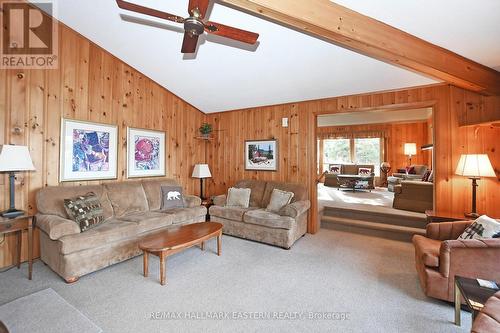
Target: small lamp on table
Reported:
[(14, 159), (410, 150), (474, 166), (201, 171)]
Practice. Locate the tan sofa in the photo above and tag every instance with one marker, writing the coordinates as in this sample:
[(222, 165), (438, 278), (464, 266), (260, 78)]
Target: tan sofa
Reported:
[(132, 211), (416, 196), (439, 256), (350, 169), (256, 223)]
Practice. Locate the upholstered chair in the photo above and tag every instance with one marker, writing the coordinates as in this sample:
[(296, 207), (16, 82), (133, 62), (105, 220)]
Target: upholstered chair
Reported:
[(439, 256)]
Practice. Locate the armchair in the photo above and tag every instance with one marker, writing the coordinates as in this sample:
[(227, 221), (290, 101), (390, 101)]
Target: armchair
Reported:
[(439, 256), (416, 196)]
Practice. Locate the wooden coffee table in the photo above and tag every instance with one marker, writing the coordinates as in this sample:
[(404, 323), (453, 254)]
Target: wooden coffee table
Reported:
[(176, 239)]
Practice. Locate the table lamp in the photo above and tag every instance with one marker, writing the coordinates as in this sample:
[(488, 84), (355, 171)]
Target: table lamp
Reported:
[(474, 166), (14, 159), (201, 171), (410, 150)]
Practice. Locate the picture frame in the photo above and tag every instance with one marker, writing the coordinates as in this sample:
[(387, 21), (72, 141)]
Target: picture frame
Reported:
[(261, 155), (146, 153), (88, 151)]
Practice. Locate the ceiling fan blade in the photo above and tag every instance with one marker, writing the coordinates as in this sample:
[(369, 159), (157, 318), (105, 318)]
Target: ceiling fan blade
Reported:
[(148, 11), (230, 32), (202, 6), (189, 43)]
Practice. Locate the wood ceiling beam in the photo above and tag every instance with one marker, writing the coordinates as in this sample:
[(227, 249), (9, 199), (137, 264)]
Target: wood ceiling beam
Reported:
[(365, 35)]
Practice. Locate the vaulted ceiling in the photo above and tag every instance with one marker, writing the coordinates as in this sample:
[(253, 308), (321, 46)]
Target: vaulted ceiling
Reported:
[(286, 66)]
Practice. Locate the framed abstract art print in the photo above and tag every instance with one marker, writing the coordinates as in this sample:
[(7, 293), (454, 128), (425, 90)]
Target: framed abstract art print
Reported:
[(145, 153), (88, 151)]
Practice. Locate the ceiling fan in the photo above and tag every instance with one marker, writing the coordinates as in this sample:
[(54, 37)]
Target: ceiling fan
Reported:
[(194, 25)]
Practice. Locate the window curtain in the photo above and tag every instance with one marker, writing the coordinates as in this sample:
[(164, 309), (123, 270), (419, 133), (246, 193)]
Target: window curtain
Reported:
[(347, 134)]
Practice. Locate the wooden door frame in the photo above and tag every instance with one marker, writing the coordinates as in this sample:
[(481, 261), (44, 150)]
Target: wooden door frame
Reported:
[(314, 223)]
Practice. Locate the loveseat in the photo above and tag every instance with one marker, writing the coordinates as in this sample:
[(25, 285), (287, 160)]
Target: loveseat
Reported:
[(349, 169), (439, 256), (131, 210), (255, 223)]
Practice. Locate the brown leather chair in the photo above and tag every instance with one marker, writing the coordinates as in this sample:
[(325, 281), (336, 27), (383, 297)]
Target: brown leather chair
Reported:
[(439, 256), (488, 320)]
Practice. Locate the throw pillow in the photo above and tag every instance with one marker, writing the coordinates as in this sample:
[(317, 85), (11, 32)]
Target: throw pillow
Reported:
[(171, 197), (279, 199), (364, 171), (425, 177), (334, 169), (483, 227), (85, 210), (238, 197), (412, 171), (431, 177)]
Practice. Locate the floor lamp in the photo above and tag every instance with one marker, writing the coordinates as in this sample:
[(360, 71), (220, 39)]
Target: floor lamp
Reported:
[(201, 171), (14, 159), (474, 166)]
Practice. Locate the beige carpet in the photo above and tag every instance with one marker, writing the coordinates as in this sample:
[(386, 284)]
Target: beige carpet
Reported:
[(347, 282)]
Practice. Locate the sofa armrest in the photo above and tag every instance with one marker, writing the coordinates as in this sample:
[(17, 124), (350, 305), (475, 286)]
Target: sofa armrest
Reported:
[(219, 200), (55, 226), (446, 230), (192, 201), (295, 209), (470, 256)]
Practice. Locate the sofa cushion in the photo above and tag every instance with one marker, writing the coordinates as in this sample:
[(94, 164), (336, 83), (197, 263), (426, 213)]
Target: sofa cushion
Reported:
[(171, 197), (279, 199), (267, 219), (85, 210), (238, 197), (230, 213), (299, 191), (50, 200), (127, 197), (427, 250), (152, 188), (181, 215), (110, 231), (257, 188), (149, 220)]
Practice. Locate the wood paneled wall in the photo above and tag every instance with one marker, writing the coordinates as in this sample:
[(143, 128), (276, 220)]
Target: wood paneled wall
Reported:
[(396, 135), (93, 85), (298, 142)]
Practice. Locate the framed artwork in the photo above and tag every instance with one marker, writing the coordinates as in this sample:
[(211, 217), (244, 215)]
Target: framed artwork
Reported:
[(145, 153), (261, 155), (88, 151)]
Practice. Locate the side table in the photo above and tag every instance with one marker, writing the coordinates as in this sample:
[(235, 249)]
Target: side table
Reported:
[(444, 216), (474, 295), (207, 203), (17, 225)]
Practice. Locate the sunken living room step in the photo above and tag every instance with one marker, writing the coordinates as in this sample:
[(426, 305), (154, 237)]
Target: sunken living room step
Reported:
[(387, 224)]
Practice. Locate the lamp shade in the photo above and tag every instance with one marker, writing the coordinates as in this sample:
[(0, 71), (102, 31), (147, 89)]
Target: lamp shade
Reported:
[(410, 148), (475, 165), (15, 158), (201, 171)]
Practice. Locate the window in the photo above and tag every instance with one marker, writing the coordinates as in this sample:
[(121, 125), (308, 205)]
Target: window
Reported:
[(360, 151), (367, 151), (336, 151)]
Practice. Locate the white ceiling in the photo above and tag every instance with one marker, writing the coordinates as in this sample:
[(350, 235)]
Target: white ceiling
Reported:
[(287, 66), (374, 117)]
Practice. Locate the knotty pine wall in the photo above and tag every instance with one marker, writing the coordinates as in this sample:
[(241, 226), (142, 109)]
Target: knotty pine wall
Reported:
[(297, 143), (396, 135), (93, 85)]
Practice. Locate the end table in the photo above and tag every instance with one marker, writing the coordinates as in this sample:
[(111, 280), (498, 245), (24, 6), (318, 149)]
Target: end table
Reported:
[(17, 225), (444, 216), (207, 203)]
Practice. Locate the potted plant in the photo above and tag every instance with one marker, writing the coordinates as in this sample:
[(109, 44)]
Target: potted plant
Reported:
[(205, 130)]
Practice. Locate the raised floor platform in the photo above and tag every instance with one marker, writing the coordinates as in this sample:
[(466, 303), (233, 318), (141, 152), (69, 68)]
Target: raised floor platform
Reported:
[(368, 213)]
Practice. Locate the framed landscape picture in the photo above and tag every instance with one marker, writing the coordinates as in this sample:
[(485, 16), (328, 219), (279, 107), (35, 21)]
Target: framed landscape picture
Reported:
[(88, 151), (145, 153), (261, 155)]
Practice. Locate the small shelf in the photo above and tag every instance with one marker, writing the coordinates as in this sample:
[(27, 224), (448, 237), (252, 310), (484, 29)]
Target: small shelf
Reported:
[(210, 138)]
